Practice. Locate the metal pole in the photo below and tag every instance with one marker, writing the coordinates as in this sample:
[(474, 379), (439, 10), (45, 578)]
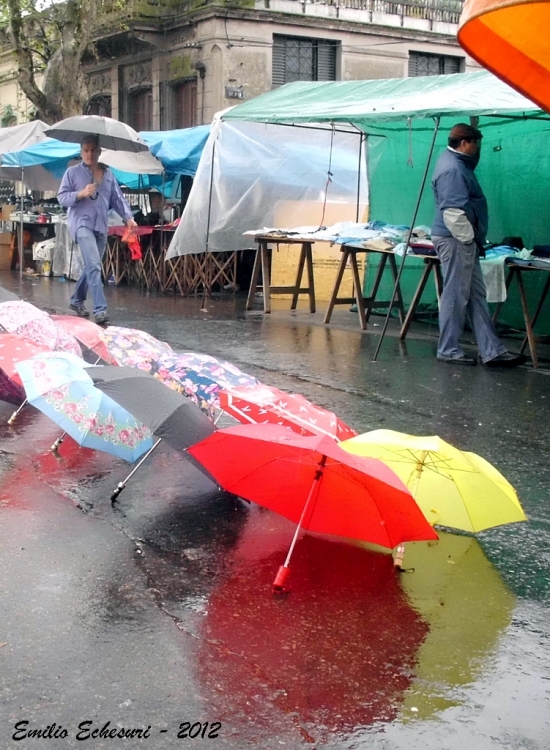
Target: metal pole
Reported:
[(122, 485), (362, 138), (420, 193), (21, 253)]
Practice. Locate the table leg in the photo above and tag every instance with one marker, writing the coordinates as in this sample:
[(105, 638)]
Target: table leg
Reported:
[(376, 284), (334, 296), (528, 328), (415, 300), (299, 274), (254, 280), (537, 312), (358, 292), (311, 281), (266, 276), (400, 306)]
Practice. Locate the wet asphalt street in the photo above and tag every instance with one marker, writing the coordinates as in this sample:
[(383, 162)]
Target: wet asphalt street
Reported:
[(158, 616)]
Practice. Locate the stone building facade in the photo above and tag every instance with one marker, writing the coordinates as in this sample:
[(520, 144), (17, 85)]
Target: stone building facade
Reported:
[(175, 65)]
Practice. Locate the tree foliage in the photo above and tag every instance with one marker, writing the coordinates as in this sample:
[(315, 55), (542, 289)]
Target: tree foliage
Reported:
[(49, 40)]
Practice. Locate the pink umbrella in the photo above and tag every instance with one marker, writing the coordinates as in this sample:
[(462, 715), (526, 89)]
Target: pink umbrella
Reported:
[(36, 325), (88, 333), (262, 404)]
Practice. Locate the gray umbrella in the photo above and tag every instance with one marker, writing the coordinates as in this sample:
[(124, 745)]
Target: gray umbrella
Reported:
[(7, 296), (112, 134), (169, 415)]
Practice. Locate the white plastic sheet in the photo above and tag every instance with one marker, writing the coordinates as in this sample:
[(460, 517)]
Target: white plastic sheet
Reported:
[(253, 175)]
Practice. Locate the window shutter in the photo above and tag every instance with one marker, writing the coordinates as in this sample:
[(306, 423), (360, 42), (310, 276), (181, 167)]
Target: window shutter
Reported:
[(326, 61), (279, 61)]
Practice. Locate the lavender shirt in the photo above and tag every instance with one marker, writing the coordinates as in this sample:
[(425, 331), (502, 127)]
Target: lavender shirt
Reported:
[(88, 213)]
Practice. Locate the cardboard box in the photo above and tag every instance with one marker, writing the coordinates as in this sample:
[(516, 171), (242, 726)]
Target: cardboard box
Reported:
[(5, 251), (7, 211), (326, 257)]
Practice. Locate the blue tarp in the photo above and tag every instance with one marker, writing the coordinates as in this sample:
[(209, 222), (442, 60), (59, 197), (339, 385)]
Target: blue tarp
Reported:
[(51, 154), (178, 150)]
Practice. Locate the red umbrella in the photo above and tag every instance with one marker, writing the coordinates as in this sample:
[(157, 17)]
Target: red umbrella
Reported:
[(316, 484), (88, 333), (339, 654), (14, 348), (260, 404)]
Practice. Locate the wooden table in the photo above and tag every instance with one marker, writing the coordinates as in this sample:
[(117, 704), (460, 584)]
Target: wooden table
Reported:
[(516, 270), (432, 263), (365, 305), (262, 262)]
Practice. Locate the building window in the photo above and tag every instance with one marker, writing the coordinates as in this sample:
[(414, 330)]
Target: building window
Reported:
[(184, 103), (303, 59), (140, 109), (425, 64)]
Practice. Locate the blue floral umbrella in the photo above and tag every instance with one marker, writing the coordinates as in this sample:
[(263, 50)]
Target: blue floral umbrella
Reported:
[(58, 385), (200, 377)]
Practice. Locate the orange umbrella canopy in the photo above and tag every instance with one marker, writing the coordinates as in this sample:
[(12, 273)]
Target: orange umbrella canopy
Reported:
[(509, 38)]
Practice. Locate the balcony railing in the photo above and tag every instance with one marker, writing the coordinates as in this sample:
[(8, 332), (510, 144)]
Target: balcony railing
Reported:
[(445, 11)]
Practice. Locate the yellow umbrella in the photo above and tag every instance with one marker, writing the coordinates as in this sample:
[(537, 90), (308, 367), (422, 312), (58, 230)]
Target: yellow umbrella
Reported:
[(509, 38), (453, 488), (467, 606)]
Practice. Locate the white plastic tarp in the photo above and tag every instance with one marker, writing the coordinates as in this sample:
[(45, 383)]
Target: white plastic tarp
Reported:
[(253, 175)]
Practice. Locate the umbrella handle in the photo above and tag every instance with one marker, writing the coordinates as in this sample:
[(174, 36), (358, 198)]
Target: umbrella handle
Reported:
[(13, 417), (278, 586), (58, 442)]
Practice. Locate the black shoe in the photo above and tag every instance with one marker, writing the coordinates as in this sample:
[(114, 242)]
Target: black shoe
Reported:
[(469, 361), (507, 360), (101, 318), (80, 310)]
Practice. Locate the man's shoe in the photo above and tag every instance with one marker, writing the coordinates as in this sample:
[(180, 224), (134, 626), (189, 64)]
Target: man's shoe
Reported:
[(80, 310), (507, 360), (468, 361), (101, 318)]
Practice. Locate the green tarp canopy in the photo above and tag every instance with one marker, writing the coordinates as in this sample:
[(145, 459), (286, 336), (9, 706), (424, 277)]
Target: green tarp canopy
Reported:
[(399, 115)]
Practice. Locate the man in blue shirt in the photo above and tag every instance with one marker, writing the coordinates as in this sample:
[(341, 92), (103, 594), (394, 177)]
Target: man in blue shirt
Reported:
[(458, 232), (89, 190)]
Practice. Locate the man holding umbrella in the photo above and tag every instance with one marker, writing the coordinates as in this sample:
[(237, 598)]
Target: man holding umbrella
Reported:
[(89, 190)]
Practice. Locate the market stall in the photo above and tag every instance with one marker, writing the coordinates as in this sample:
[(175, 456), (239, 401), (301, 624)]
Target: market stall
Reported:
[(406, 122)]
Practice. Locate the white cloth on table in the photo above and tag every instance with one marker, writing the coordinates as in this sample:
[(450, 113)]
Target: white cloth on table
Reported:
[(494, 278)]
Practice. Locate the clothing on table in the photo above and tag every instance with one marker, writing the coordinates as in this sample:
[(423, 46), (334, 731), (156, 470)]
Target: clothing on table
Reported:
[(91, 213), (464, 294)]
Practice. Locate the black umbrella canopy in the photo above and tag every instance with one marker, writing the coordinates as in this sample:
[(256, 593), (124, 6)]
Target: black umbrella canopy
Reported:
[(168, 414)]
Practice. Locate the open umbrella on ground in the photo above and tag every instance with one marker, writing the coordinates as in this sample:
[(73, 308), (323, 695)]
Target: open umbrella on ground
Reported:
[(340, 654), (169, 415), (36, 325), (262, 404), (14, 348), (134, 348), (88, 333), (112, 134), (59, 385), (453, 488), (312, 482), (507, 38), (200, 376)]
